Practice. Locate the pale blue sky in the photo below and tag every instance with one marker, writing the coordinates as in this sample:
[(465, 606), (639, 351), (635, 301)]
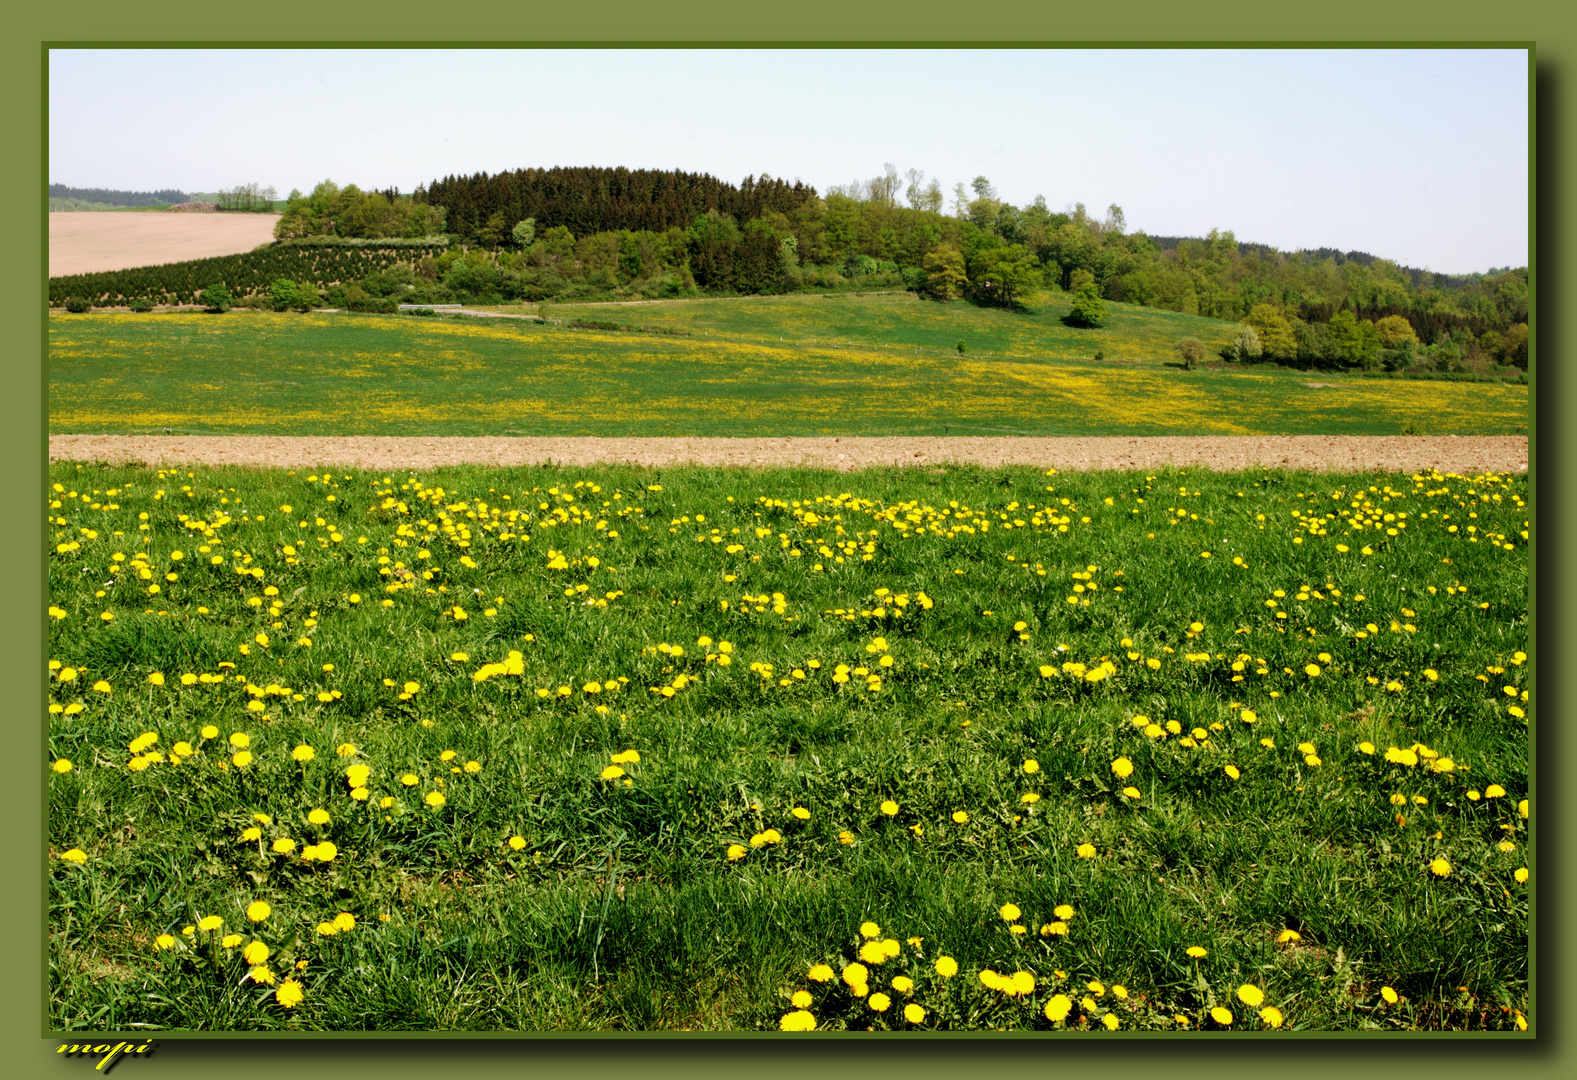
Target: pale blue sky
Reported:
[(1420, 156)]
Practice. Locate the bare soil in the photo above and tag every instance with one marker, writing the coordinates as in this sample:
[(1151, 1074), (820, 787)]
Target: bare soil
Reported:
[(87, 242), (1345, 453)]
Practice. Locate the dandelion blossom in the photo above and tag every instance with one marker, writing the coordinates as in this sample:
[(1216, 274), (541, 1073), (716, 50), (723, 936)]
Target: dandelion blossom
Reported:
[(1058, 1008), (946, 966), (258, 910), (1085, 851), (879, 1002), (303, 753), (1123, 768), (870, 930), (798, 1020), (255, 953), (76, 855), (913, 1013), (820, 973), (1196, 952), (1220, 1015), (1440, 868), (1251, 995), (1009, 912), (1389, 995), (288, 994), (1271, 1016), (61, 765)]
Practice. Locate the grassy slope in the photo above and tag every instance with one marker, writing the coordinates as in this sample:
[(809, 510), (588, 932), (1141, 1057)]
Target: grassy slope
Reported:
[(902, 320), (479, 935), (887, 372)]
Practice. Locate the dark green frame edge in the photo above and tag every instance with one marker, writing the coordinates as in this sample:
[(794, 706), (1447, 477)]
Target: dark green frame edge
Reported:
[(319, 1054)]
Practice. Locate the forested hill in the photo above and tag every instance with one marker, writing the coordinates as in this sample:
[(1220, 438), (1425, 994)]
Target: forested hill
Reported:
[(1312, 256), (592, 200), (167, 197), (601, 233)]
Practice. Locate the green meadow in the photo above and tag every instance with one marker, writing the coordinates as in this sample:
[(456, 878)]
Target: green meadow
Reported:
[(537, 748), (882, 364)]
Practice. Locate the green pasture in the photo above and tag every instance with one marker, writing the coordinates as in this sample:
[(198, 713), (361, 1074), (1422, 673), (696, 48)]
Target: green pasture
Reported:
[(849, 365), (935, 749)]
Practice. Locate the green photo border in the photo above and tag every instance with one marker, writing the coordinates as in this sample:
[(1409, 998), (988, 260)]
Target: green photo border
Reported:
[(816, 23)]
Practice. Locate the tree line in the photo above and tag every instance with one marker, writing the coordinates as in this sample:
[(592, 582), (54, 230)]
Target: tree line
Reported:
[(165, 197), (253, 273)]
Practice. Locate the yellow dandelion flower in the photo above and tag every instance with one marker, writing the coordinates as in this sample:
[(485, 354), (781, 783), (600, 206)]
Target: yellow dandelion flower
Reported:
[(799, 1019)]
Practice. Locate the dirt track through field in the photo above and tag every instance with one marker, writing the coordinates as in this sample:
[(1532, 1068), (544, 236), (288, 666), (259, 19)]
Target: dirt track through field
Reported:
[(87, 242), (1345, 453)]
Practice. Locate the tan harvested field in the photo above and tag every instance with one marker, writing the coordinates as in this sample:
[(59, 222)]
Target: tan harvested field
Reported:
[(87, 242), (1403, 453)]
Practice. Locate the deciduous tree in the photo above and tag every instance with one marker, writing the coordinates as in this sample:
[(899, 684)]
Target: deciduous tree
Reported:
[(944, 274)]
